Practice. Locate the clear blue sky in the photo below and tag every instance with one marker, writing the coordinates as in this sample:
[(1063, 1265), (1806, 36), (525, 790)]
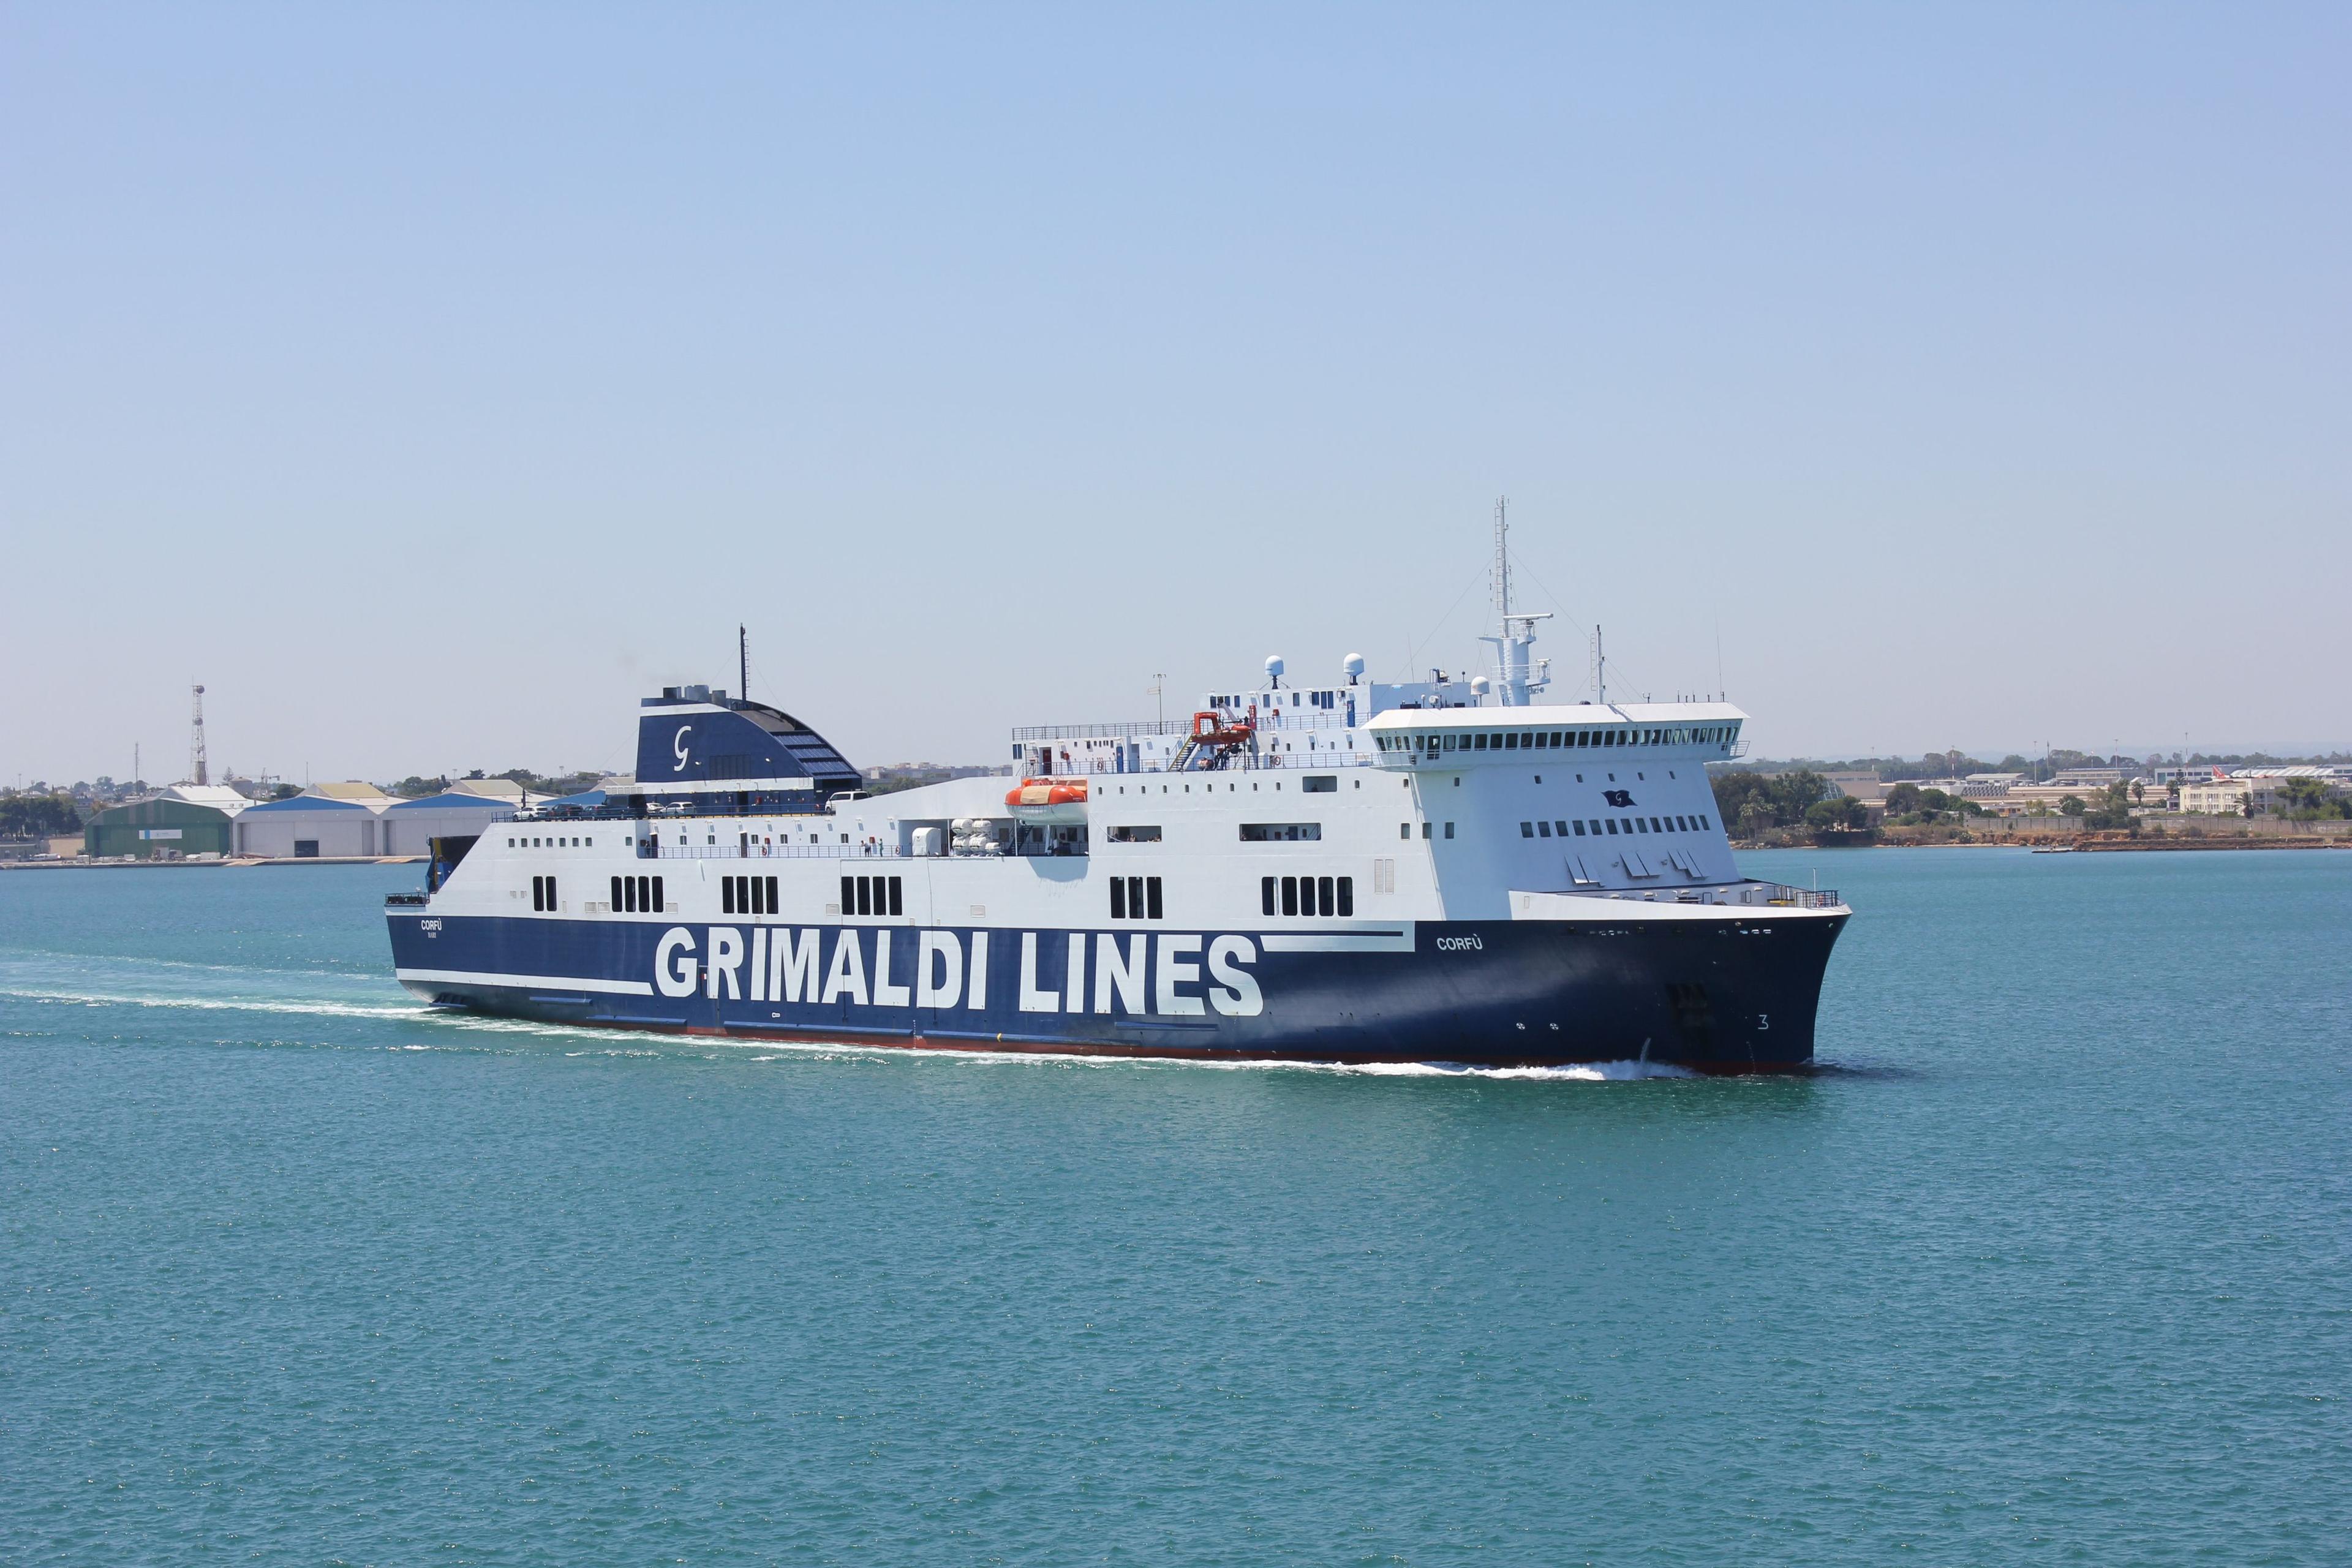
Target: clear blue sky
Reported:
[(433, 381)]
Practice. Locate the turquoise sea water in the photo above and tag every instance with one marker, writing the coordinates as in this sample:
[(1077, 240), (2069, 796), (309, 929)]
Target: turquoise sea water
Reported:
[(2051, 1262)]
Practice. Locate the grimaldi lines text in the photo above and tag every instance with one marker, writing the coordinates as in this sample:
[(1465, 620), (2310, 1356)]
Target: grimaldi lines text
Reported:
[(1356, 872)]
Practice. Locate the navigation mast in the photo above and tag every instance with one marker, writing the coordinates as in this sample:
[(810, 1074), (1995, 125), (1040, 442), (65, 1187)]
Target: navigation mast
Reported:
[(1516, 676)]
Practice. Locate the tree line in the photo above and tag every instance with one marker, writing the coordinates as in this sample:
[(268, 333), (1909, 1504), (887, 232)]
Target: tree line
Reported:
[(38, 816)]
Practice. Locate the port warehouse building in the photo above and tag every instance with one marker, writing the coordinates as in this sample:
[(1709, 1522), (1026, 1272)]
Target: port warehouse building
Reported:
[(347, 821), (186, 819)]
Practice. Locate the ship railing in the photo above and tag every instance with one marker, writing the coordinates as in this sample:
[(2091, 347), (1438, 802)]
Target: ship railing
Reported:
[(403, 901), (1242, 763), (1025, 733), (1786, 897), (836, 852), (770, 852)]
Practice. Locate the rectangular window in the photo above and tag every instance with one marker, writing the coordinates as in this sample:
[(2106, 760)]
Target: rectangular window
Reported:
[(1526, 830), (1702, 825), (1578, 823), (1654, 826), (1638, 826), (849, 895), (615, 906), (1682, 825), (1543, 830), (1131, 833), (1119, 898), (1526, 741), (897, 896), (1281, 831), (1290, 895), (660, 906), (1320, 783), (1449, 830), (1612, 827), (772, 896), (725, 895), (1347, 897), (865, 895), (1424, 831), (1266, 894), (538, 895), (1324, 902), (1405, 830), (1510, 742), (1152, 897)]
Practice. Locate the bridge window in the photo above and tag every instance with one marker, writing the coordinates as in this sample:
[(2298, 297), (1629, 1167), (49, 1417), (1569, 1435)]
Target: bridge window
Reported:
[(1526, 830), (1133, 833), (1281, 831), (1543, 829)]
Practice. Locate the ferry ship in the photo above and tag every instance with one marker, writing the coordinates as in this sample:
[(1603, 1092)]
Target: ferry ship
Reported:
[(1446, 871)]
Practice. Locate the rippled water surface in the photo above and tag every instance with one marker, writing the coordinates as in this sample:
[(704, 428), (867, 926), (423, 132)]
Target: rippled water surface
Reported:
[(2053, 1261)]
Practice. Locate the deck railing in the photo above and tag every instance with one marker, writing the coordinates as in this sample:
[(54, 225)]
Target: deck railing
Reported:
[(1799, 897)]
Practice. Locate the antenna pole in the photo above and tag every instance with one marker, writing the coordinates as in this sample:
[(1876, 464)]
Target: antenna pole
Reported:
[(1600, 670), (196, 768), (743, 661), (1503, 561)]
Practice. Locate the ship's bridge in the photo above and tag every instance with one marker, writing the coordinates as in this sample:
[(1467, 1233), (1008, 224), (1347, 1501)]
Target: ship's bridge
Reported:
[(1411, 738)]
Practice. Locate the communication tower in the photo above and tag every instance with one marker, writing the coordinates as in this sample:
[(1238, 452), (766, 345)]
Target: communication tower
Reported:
[(196, 770)]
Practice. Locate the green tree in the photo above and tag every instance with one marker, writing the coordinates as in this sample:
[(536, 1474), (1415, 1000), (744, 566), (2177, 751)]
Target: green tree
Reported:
[(2073, 806), (1844, 811), (38, 816)]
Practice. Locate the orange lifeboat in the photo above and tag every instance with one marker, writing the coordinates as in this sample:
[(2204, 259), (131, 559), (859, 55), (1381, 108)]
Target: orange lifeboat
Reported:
[(1049, 800)]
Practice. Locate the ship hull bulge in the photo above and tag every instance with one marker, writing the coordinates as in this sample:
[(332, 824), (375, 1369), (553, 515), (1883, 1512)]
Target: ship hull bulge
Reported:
[(1729, 993)]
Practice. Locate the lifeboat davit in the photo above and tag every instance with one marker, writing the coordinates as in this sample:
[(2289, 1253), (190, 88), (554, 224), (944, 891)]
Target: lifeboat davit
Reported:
[(1049, 800)]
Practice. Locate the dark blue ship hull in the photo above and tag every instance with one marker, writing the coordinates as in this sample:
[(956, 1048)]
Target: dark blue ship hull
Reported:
[(1729, 994)]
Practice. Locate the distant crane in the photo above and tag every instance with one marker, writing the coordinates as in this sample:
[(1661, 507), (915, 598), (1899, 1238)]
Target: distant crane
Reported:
[(196, 768)]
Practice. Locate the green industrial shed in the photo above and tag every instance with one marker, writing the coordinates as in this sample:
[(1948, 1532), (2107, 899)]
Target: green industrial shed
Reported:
[(148, 828)]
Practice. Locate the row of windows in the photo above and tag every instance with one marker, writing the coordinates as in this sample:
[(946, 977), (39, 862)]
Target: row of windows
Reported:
[(747, 895), (872, 896), (1547, 739), (1632, 824), (1135, 897), (1307, 895), (643, 895), (1281, 831), (1405, 830), (542, 893), (551, 843)]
